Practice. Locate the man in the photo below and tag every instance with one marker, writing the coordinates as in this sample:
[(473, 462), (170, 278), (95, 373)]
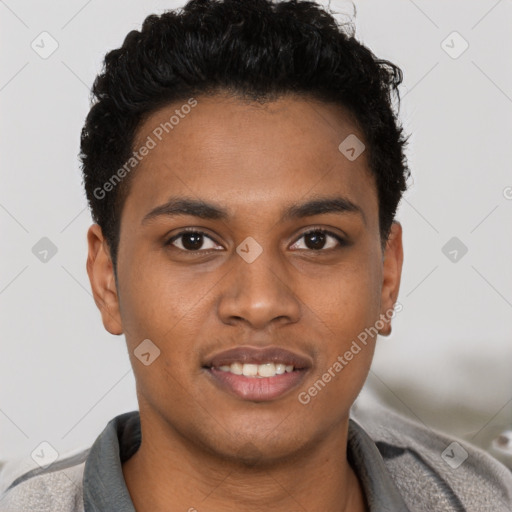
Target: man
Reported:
[(243, 165)]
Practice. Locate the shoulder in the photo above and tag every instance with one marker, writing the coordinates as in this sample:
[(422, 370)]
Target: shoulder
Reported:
[(431, 467), (56, 488)]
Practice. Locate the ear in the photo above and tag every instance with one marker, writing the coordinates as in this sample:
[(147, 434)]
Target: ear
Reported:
[(101, 276), (391, 275)]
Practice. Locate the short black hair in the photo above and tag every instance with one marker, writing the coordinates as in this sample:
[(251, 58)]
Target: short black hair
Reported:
[(250, 49)]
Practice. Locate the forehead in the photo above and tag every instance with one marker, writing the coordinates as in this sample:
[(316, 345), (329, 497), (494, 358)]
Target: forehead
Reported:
[(246, 155)]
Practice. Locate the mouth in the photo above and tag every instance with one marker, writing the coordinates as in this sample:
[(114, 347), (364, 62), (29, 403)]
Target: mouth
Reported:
[(257, 374)]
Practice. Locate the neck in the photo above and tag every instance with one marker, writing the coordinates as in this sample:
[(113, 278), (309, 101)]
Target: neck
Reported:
[(166, 469)]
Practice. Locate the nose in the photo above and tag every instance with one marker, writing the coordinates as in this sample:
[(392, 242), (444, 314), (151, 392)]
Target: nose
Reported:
[(258, 294)]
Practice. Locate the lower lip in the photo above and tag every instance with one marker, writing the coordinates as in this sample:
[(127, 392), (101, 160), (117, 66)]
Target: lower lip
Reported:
[(257, 389)]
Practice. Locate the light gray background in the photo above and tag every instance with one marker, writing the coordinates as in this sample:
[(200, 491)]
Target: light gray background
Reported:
[(448, 361)]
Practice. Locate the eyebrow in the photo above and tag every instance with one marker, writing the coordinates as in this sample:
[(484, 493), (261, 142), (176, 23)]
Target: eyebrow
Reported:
[(205, 210)]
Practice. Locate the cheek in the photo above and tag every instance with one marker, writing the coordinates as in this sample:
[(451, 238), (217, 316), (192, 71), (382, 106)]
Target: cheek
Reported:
[(345, 311), (157, 299), (348, 300), (343, 316), (164, 307)]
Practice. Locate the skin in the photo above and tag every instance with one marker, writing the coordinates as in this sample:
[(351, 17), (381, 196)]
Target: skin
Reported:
[(201, 447)]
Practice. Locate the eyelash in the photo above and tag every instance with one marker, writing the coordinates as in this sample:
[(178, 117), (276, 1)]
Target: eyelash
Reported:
[(341, 241)]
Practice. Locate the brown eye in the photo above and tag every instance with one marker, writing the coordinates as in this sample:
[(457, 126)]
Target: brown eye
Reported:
[(317, 240), (193, 241)]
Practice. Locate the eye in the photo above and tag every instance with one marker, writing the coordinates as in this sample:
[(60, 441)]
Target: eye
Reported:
[(193, 241), (318, 239)]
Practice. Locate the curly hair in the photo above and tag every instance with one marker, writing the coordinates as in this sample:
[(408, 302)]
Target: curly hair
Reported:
[(252, 49)]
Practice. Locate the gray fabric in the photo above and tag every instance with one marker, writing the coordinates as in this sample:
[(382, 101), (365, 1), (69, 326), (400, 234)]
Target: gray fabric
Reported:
[(398, 462), (58, 465), (381, 493), (412, 453), (104, 485), (55, 491)]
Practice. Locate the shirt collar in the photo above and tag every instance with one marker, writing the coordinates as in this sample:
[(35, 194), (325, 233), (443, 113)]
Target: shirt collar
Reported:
[(104, 485), (105, 488), (382, 495)]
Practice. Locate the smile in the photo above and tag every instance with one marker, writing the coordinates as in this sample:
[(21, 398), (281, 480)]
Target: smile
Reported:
[(257, 370), (256, 388)]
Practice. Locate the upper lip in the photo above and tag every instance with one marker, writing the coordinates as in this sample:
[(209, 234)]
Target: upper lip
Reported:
[(255, 355)]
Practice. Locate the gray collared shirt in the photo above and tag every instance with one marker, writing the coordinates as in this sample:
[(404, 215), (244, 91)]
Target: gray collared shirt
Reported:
[(402, 465), (105, 488)]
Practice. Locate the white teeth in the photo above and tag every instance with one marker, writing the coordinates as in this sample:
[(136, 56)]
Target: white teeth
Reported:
[(280, 369), (257, 370), (237, 368), (250, 370), (267, 370)]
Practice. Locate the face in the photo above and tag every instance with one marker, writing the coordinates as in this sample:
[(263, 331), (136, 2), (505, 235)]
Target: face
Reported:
[(246, 230)]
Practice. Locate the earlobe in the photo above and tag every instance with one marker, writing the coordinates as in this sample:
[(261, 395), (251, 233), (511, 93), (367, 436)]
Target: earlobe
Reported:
[(101, 276), (391, 276)]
